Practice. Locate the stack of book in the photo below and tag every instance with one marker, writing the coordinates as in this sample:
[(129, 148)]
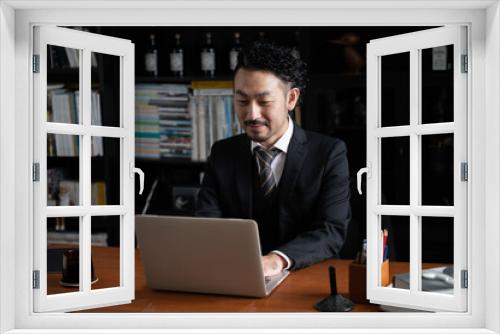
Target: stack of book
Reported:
[(147, 131), (182, 121), (96, 119), (63, 107), (212, 112), (163, 123), (61, 57)]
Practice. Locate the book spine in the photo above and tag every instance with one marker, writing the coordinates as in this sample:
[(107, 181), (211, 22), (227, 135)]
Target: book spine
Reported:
[(202, 143)]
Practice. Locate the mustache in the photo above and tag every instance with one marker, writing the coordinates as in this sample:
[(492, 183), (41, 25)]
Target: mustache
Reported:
[(256, 121)]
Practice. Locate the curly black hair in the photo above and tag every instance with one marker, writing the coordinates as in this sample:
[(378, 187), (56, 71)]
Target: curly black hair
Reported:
[(277, 59)]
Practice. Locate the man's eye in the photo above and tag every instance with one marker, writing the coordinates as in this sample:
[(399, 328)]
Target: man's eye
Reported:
[(265, 102), (242, 101)]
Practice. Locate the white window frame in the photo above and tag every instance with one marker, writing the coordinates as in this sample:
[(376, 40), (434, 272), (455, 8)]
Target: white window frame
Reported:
[(414, 43), (16, 21), (123, 50)]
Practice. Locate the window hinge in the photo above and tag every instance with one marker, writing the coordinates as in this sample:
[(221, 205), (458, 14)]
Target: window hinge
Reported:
[(464, 171), (36, 279), (36, 171), (465, 279), (36, 63), (465, 66)]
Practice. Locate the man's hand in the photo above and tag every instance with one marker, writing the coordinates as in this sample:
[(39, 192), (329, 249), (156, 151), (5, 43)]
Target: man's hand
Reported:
[(273, 264)]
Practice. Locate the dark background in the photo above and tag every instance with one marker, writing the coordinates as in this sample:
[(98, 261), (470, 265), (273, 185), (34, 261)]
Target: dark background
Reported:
[(334, 104)]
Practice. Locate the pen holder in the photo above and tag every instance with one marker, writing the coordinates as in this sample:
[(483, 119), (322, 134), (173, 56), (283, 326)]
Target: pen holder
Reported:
[(357, 280), (386, 277)]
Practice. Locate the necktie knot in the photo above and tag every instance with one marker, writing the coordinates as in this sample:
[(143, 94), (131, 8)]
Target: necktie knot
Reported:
[(266, 156), (264, 159)]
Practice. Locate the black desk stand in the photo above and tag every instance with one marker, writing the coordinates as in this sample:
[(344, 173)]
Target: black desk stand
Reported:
[(335, 302)]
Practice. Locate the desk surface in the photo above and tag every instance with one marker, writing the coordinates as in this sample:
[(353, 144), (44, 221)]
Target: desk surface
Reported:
[(298, 293)]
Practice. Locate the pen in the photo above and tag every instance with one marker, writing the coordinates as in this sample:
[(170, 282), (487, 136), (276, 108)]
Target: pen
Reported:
[(386, 246)]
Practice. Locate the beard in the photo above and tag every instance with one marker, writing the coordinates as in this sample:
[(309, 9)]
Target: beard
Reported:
[(257, 121), (257, 136)]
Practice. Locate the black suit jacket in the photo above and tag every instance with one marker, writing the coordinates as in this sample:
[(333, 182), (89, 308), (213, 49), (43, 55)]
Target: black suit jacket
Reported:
[(313, 200)]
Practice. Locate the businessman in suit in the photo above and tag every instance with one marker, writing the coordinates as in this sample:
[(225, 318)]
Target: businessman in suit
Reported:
[(293, 182)]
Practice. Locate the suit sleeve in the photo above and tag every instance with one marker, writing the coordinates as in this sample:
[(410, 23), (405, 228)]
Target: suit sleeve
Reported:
[(326, 233), (208, 197)]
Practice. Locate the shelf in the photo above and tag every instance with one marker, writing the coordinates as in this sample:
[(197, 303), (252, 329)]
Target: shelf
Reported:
[(68, 237), (72, 159), (73, 162), (171, 161), (186, 79), (70, 75), (163, 161), (347, 80)]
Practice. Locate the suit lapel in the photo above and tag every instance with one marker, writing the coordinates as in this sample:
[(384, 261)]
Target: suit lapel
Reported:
[(295, 157), (243, 176)]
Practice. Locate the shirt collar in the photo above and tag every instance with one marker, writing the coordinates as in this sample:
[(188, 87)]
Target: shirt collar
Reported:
[(283, 142)]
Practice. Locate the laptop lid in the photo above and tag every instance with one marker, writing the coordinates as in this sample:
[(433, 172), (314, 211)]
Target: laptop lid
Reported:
[(197, 254)]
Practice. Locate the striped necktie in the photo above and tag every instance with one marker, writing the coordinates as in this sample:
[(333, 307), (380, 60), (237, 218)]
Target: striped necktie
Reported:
[(264, 159)]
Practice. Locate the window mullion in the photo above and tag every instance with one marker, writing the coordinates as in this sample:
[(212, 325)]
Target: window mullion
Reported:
[(415, 158), (85, 168)]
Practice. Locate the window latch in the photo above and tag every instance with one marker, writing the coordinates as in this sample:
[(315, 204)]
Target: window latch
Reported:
[(368, 171), (134, 170)]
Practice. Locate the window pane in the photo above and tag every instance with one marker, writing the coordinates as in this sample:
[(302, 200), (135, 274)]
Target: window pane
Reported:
[(63, 166), (395, 170), (106, 99), (395, 81), (105, 171), (106, 251), (63, 84), (437, 84), (437, 254), (437, 169), (395, 268), (63, 237)]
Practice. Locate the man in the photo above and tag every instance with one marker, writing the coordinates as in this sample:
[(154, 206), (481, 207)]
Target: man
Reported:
[(294, 183)]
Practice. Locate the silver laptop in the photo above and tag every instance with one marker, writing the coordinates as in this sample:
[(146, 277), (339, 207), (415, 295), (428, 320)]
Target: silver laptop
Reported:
[(206, 255)]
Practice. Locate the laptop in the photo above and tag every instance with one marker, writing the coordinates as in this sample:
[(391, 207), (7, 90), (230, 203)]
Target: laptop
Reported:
[(204, 255)]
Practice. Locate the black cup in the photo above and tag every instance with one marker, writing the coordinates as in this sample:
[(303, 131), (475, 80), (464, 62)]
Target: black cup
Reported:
[(71, 268)]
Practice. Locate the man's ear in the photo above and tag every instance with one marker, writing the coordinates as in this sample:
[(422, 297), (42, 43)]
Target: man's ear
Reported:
[(292, 98)]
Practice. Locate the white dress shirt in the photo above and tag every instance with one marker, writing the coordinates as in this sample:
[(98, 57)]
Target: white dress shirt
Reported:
[(277, 166)]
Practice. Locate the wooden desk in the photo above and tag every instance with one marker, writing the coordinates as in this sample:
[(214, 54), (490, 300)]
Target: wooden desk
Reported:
[(298, 293)]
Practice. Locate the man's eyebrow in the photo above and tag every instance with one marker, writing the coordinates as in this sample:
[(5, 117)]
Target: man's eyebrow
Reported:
[(264, 93)]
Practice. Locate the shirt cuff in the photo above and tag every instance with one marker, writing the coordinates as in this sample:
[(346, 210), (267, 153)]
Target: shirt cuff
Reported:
[(287, 259)]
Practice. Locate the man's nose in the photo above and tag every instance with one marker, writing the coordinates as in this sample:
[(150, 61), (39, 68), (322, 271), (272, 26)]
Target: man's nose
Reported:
[(253, 111)]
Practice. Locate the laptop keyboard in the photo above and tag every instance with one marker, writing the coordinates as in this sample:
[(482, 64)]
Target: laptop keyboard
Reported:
[(272, 281)]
